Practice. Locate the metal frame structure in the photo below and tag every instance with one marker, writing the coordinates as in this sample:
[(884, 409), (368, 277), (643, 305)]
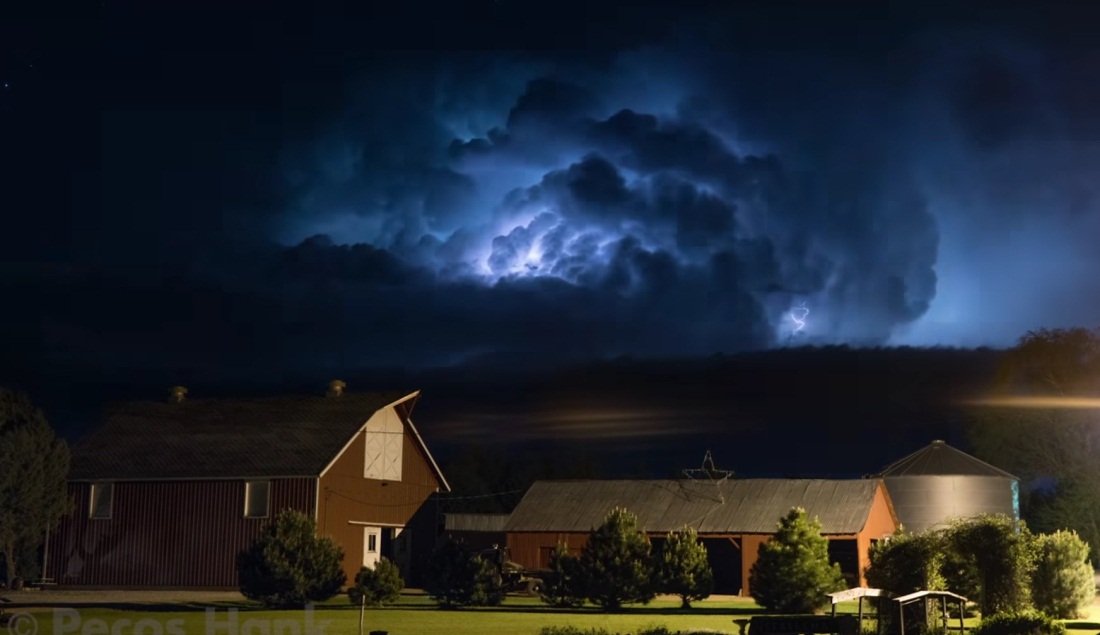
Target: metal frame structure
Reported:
[(923, 596), (860, 593)]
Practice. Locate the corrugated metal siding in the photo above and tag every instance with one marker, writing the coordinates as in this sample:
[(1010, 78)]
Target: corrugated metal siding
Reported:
[(475, 522), (171, 534), (923, 502), (348, 497), (714, 507)]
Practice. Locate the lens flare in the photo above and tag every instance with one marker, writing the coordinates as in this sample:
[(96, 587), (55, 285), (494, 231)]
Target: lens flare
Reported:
[(1069, 403)]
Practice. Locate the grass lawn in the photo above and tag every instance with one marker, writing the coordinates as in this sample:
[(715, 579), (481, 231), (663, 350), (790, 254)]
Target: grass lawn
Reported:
[(414, 614)]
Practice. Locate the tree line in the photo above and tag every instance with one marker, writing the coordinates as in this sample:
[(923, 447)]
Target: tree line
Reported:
[(1052, 449)]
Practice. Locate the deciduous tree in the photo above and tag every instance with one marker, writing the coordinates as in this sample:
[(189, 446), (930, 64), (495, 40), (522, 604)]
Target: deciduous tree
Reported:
[(908, 562), (1054, 446), (34, 466), (1063, 583), (1000, 551)]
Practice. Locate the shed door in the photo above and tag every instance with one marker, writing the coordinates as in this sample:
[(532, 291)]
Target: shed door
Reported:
[(372, 546)]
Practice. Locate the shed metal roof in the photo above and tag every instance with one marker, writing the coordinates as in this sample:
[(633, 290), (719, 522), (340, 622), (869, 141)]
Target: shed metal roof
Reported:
[(938, 459), (226, 438), (748, 506)]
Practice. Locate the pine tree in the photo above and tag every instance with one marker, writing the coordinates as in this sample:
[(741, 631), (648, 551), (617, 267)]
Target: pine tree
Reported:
[(458, 577), (683, 569), (378, 586), (34, 466), (564, 587), (792, 573), (289, 566), (616, 562)]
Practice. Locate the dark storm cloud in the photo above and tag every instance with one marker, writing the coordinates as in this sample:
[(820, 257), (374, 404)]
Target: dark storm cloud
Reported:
[(995, 102), (669, 199)]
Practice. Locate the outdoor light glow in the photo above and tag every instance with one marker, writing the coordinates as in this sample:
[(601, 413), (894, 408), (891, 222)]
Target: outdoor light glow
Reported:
[(1074, 403)]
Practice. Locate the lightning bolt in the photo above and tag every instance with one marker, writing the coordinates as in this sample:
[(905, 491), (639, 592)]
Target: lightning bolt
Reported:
[(798, 315)]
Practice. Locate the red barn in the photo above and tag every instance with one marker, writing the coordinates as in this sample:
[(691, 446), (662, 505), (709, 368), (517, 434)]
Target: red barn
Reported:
[(168, 493)]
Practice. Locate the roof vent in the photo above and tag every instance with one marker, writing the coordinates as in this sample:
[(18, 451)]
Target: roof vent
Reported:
[(335, 388), (176, 394)]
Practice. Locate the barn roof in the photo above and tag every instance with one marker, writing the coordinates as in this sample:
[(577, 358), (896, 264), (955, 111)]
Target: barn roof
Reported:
[(229, 438), (940, 459), (748, 506)]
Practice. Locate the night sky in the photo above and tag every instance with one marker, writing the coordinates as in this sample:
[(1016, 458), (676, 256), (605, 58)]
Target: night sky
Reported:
[(246, 197)]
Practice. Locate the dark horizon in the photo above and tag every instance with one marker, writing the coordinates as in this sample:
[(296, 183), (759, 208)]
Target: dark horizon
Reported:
[(848, 411)]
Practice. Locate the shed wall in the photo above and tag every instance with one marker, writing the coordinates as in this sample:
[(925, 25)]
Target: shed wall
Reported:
[(881, 523), (166, 534), (532, 549)]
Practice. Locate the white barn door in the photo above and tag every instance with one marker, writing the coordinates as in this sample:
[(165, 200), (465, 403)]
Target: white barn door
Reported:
[(372, 546)]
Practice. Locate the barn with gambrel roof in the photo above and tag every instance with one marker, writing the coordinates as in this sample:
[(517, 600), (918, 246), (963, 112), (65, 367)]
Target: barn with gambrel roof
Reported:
[(167, 493)]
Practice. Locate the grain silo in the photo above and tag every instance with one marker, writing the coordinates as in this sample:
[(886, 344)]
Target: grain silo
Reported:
[(938, 483)]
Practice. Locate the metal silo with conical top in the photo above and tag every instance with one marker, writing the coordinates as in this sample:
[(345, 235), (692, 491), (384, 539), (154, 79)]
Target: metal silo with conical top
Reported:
[(938, 482)]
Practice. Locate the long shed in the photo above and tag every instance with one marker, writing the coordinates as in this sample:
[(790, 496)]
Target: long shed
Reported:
[(732, 516)]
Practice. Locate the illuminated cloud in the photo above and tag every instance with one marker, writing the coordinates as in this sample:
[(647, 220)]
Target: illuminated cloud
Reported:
[(677, 193)]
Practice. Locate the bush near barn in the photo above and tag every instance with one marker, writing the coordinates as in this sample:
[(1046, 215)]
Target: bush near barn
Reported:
[(289, 566), (459, 577), (1063, 583), (565, 586), (1029, 622), (995, 561), (379, 586)]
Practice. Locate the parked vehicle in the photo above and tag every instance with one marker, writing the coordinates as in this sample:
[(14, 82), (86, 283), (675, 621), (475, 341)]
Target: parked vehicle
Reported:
[(5, 617), (512, 576)]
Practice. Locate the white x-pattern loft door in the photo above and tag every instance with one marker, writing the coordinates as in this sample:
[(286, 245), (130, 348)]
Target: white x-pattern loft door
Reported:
[(385, 439)]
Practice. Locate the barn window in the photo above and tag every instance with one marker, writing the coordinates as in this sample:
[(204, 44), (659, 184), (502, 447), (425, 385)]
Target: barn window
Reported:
[(102, 497), (385, 439), (257, 499)]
